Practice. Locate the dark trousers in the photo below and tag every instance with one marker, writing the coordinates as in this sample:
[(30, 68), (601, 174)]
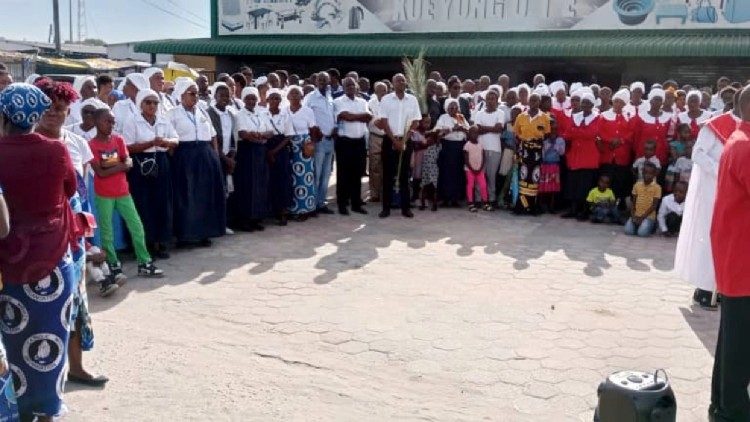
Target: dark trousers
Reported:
[(391, 160), (673, 221), (729, 395), (351, 161)]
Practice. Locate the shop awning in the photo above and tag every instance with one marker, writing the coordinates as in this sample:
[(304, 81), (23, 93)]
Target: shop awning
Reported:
[(630, 43)]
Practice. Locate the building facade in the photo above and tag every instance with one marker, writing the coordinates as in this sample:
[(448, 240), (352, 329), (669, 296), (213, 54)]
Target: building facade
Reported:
[(604, 41)]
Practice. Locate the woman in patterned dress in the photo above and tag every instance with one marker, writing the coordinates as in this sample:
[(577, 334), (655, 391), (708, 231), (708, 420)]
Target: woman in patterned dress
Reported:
[(303, 169), (531, 127)]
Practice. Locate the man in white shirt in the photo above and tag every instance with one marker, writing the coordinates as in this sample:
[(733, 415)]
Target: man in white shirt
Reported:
[(717, 103), (671, 209), (399, 116), (321, 103), (375, 151), (352, 115), (491, 123)]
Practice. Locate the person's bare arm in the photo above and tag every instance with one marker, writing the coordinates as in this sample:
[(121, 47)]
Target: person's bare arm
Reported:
[(4, 218), (109, 171)]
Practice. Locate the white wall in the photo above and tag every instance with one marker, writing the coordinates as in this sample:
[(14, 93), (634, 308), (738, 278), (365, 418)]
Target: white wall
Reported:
[(124, 51)]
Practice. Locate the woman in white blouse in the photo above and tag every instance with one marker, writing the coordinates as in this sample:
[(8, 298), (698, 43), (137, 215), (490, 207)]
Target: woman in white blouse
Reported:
[(199, 201), (249, 201), (453, 128), (149, 136), (303, 152), (279, 158)]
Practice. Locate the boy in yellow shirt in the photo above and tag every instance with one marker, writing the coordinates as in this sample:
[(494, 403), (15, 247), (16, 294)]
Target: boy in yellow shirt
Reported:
[(602, 204), (646, 197)]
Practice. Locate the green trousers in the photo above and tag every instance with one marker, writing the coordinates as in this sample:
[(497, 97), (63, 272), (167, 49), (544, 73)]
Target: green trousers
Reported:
[(125, 206)]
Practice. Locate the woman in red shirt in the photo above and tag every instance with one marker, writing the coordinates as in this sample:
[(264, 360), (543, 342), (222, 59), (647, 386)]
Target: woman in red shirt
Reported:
[(582, 156), (615, 146), (38, 179), (653, 124), (695, 116)]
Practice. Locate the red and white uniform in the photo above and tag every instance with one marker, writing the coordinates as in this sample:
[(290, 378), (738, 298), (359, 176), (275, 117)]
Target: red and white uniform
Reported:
[(615, 126), (695, 124), (645, 127), (582, 152)]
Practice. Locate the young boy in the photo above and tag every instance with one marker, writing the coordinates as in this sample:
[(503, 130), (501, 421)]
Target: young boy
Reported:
[(646, 195), (671, 209), (602, 202), (110, 163), (649, 156)]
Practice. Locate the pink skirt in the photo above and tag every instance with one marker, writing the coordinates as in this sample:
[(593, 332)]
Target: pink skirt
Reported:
[(549, 179)]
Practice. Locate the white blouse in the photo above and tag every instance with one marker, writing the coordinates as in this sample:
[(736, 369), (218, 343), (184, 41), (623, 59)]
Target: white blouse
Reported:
[(448, 122), (281, 123), (124, 110), (139, 130), (192, 126), (251, 121), (226, 118), (302, 120), (87, 135)]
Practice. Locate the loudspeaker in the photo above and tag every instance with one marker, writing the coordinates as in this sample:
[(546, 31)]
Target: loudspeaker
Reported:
[(633, 396)]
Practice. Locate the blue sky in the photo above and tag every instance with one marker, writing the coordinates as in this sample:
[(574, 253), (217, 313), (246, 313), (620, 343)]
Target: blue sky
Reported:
[(111, 20)]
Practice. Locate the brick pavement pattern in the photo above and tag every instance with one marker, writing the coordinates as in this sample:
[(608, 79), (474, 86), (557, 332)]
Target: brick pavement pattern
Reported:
[(451, 316)]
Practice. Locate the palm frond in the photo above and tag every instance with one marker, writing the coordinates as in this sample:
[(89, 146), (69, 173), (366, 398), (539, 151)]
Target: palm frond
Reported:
[(415, 71)]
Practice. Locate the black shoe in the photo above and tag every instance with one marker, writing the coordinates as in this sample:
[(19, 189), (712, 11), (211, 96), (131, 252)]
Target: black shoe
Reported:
[(184, 244), (324, 210), (205, 243), (384, 214), (359, 210), (568, 215), (160, 254), (108, 286), (117, 275), (149, 270), (703, 299), (407, 214), (257, 227), (343, 211)]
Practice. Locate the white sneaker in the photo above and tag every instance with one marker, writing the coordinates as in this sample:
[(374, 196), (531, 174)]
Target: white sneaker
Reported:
[(229, 231)]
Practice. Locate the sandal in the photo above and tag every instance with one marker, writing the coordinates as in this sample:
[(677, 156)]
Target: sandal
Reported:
[(488, 207), (473, 208)]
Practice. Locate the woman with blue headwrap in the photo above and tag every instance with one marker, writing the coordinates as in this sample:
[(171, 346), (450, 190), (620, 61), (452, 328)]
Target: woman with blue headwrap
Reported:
[(36, 261)]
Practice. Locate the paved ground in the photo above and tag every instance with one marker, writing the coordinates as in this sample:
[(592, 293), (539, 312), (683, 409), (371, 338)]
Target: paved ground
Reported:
[(451, 317)]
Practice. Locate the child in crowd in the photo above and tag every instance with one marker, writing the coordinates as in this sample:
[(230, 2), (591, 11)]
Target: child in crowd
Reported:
[(98, 271), (474, 167), (553, 148), (430, 142), (679, 158), (649, 156), (509, 153), (671, 209), (111, 162), (602, 202), (646, 195)]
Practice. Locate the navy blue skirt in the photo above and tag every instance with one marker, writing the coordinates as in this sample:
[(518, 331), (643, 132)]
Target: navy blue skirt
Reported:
[(280, 188), (199, 204), (452, 180), (150, 182), (249, 201)]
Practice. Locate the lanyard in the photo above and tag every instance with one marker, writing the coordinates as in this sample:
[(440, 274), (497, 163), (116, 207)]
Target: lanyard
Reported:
[(192, 119)]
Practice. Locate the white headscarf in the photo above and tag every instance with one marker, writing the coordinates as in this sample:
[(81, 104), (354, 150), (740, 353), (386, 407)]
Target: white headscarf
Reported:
[(181, 85), (623, 95), (261, 81), (275, 91), (215, 87), (638, 85), (143, 94), (556, 87), (151, 71), (93, 101), (694, 93), (448, 102), (80, 80), (542, 90), (575, 86), (524, 86), (32, 78), (587, 96), (249, 90), (580, 92), (656, 92), (138, 80), (295, 88)]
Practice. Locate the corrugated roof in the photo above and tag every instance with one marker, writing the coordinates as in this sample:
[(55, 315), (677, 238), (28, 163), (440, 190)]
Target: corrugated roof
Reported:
[(631, 43)]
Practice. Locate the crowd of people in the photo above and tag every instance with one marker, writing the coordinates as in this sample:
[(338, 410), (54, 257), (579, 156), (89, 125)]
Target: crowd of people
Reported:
[(89, 169)]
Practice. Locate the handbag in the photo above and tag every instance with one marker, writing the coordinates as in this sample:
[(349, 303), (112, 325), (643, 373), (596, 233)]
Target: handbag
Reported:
[(704, 13)]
